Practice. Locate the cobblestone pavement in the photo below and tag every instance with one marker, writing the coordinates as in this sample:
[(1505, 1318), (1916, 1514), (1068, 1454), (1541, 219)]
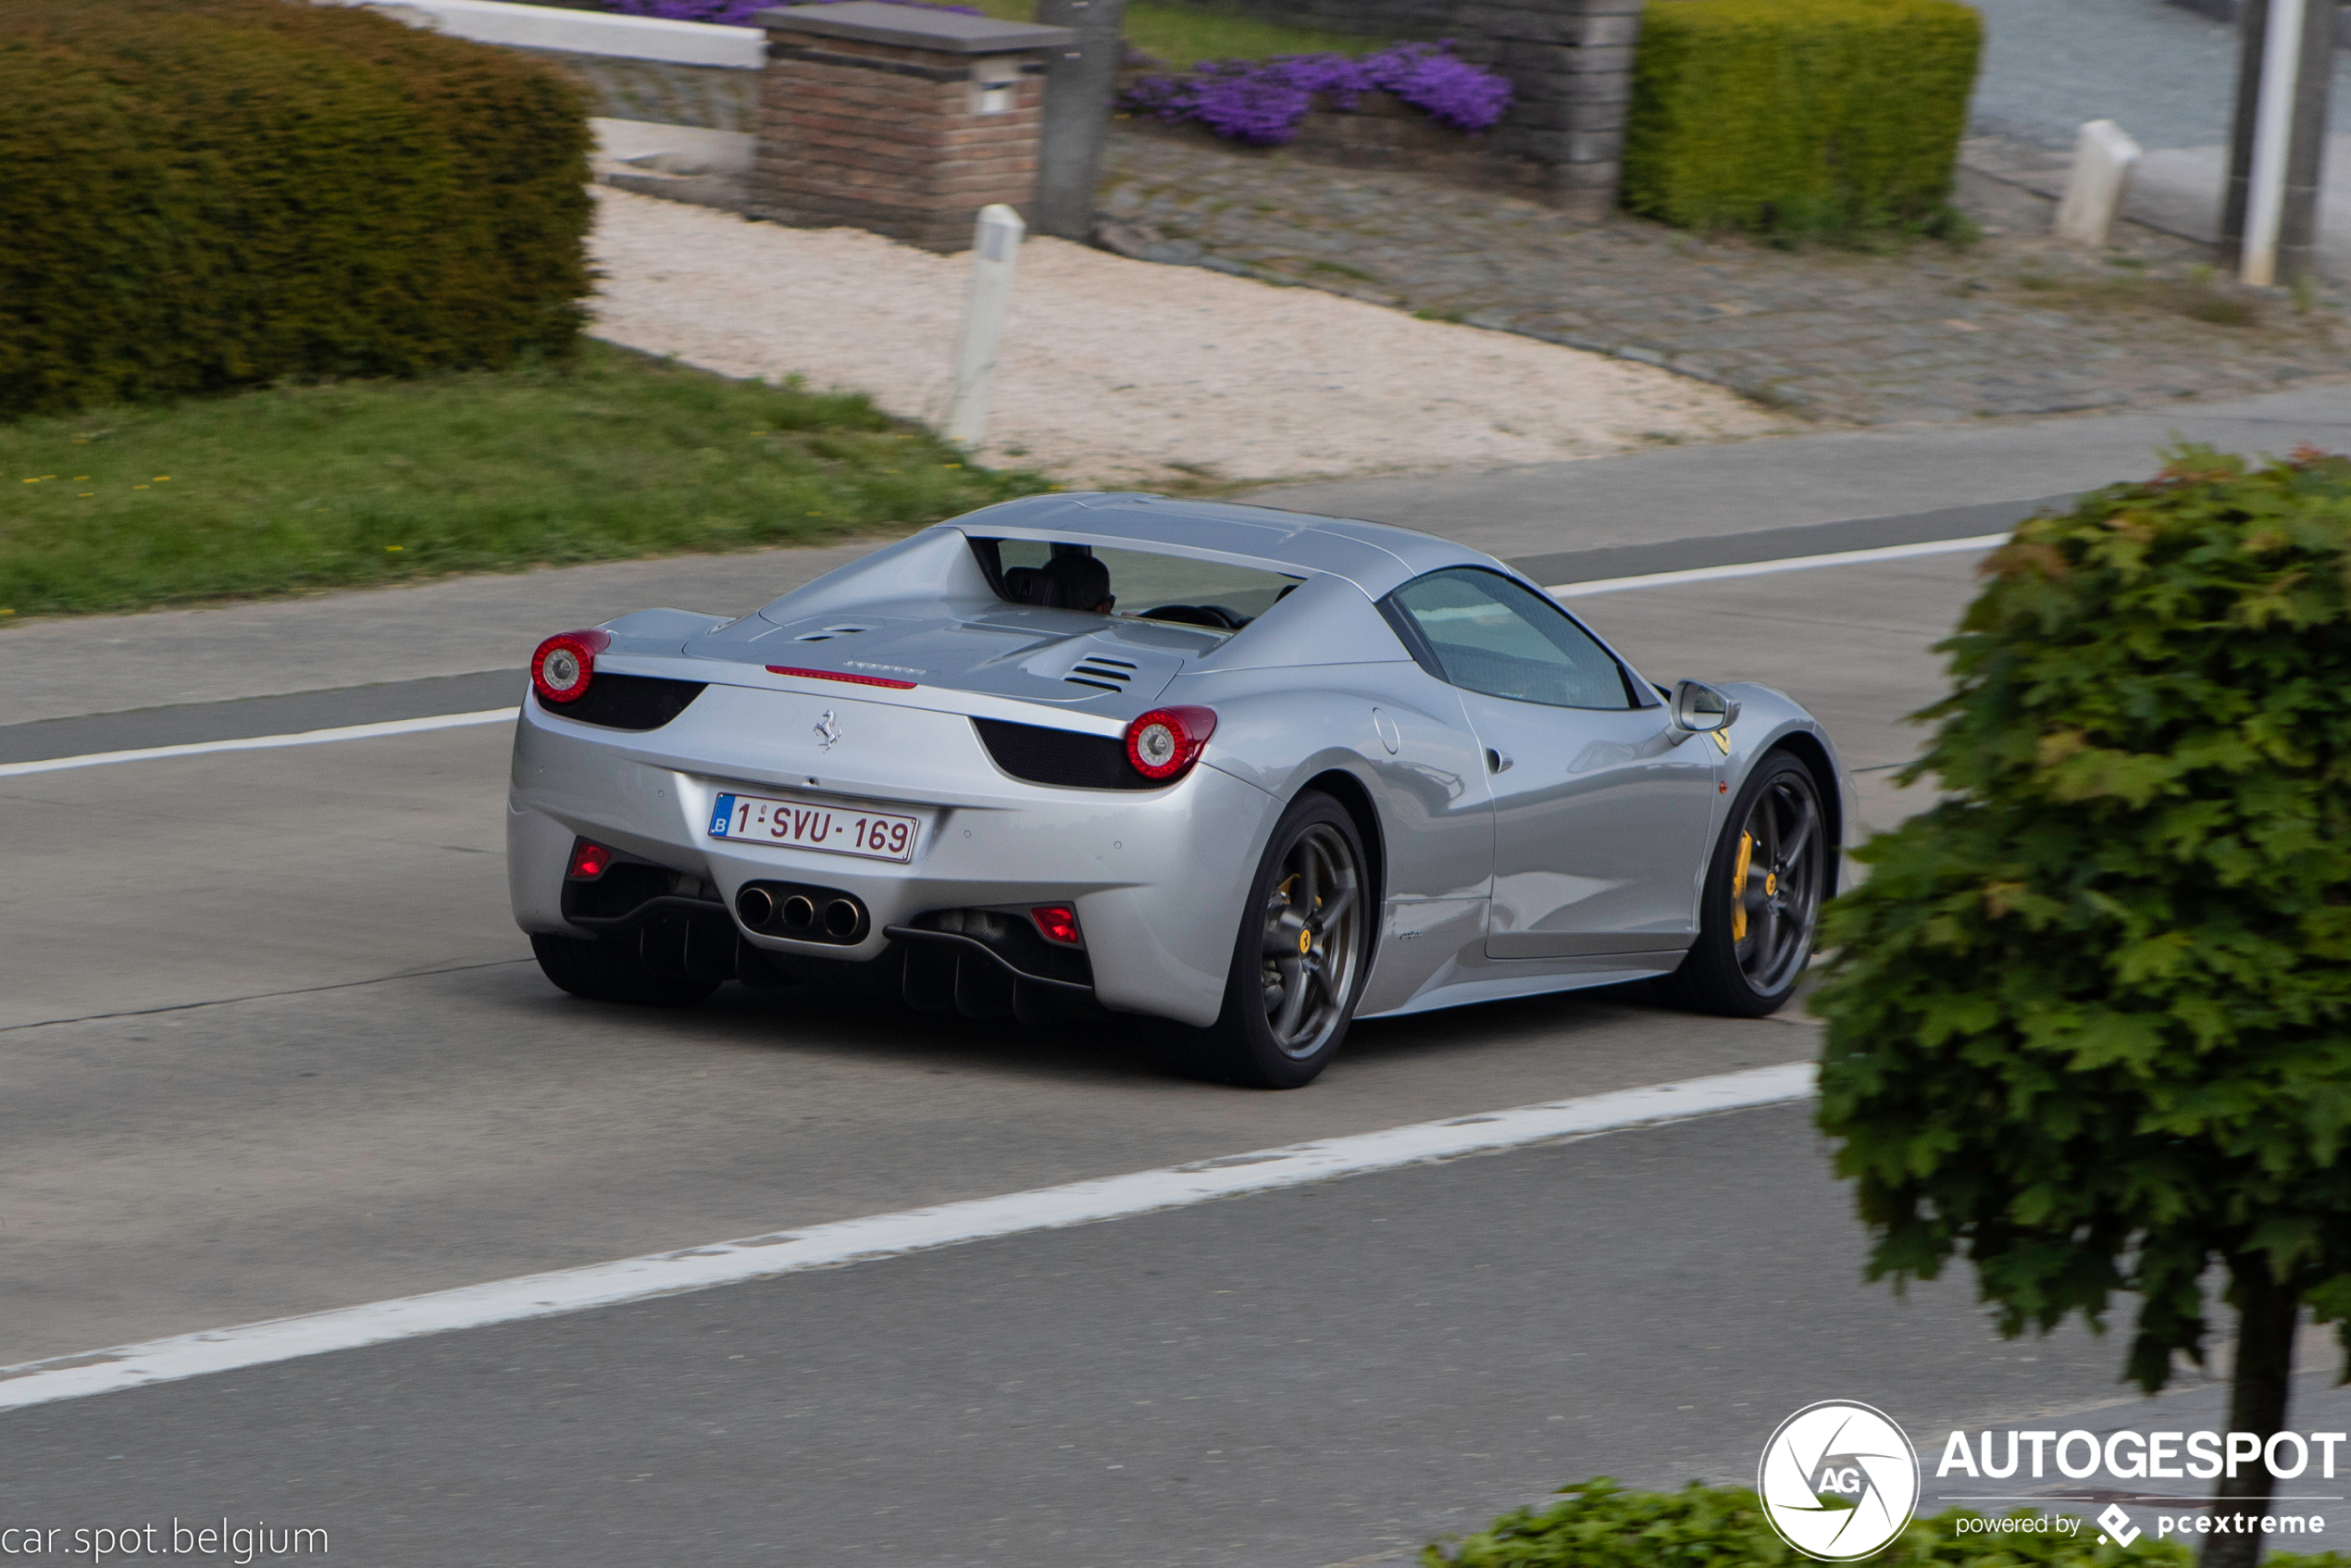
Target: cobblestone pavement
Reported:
[(2011, 325)]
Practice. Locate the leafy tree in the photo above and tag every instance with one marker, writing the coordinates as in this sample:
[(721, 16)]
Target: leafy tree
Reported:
[(2090, 1016)]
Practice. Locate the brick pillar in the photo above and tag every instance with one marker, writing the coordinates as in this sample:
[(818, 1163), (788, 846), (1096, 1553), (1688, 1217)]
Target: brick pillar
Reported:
[(1569, 64), (897, 119)]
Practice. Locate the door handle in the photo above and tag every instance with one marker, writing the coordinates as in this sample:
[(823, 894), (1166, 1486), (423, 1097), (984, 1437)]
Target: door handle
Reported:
[(1496, 762)]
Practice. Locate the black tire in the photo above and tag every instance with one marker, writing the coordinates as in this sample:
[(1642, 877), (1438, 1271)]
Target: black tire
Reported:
[(1286, 1013), (1746, 967), (609, 970)]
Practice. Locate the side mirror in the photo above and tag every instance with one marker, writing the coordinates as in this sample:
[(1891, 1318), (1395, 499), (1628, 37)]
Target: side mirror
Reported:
[(1697, 708)]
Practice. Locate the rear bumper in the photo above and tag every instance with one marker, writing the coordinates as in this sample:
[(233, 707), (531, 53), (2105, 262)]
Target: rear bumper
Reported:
[(1157, 876)]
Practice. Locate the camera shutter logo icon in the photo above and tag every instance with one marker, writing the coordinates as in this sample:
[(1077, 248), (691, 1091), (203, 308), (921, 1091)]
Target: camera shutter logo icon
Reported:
[(1838, 1480)]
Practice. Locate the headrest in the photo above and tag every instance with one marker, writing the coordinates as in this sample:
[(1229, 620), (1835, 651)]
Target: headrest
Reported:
[(1078, 582), (1027, 585)]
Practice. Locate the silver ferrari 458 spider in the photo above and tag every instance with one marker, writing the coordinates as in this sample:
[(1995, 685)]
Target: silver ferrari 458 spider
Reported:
[(1251, 773)]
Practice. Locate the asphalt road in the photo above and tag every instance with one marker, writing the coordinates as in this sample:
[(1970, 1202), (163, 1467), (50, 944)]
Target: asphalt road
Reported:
[(268, 1044), (1315, 1376)]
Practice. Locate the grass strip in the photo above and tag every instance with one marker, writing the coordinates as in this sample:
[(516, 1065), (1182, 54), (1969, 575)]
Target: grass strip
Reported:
[(606, 456), (1184, 34)]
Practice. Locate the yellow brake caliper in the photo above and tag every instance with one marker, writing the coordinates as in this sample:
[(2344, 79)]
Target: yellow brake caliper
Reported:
[(1738, 888), (1305, 933)]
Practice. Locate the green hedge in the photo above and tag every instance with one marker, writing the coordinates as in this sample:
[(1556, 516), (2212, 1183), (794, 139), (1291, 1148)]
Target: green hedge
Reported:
[(207, 193), (1799, 114), (1597, 1524)]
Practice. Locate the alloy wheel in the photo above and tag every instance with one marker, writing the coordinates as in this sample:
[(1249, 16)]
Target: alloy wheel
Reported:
[(1312, 940), (1776, 884)]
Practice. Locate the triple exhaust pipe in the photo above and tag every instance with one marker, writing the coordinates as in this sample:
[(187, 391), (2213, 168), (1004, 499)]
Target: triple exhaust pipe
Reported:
[(811, 914)]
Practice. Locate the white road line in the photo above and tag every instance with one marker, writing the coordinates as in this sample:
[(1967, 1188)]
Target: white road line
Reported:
[(1788, 564), (886, 1236), (264, 742)]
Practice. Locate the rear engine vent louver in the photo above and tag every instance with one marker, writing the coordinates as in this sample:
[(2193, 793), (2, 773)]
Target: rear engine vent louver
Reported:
[(1064, 757), (1102, 674), (626, 702)]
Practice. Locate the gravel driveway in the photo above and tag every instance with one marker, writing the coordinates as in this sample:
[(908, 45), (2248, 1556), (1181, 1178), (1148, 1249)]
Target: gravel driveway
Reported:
[(1120, 373)]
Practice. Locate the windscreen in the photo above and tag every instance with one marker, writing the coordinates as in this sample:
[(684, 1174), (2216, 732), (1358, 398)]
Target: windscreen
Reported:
[(1133, 583)]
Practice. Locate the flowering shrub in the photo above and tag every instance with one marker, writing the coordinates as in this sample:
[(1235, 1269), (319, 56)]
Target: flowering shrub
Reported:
[(1261, 101), (738, 13)]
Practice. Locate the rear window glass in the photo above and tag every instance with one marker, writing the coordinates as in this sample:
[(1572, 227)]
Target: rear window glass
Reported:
[(1137, 584)]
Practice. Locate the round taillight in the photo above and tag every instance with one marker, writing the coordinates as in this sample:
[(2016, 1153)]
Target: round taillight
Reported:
[(566, 662), (1166, 741)]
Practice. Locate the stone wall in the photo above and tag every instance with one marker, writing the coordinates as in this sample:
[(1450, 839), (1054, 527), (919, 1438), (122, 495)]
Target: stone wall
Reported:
[(664, 94), (1569, 65)]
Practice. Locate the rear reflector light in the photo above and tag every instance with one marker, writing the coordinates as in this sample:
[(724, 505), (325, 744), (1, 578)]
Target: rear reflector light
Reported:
[(566, 662), (1057, 923), (589, 861), (835, 675), (1166, 741)]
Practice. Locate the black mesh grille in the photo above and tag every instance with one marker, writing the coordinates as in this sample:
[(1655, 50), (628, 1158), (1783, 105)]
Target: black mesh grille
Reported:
[(619, 893), (1060, 756), (1011, 937), (628, 701)]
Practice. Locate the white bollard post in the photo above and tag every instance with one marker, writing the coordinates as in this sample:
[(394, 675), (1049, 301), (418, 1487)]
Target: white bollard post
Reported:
[(2272, 136), (2103, 157), (995, 245)]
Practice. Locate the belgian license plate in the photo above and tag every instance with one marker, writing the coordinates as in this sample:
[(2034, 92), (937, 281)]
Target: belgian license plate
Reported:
[(800, 825)]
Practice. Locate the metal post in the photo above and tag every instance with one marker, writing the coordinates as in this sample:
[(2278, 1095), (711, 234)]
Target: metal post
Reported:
[(2272, 140), (995, 246), (2253, 26), (2298, 229), (1078, 82)]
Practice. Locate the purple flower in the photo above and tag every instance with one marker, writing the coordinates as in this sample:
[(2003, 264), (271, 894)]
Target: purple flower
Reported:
[(726, 13), (1263, 102), (1259, 104), (1432, 78)]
